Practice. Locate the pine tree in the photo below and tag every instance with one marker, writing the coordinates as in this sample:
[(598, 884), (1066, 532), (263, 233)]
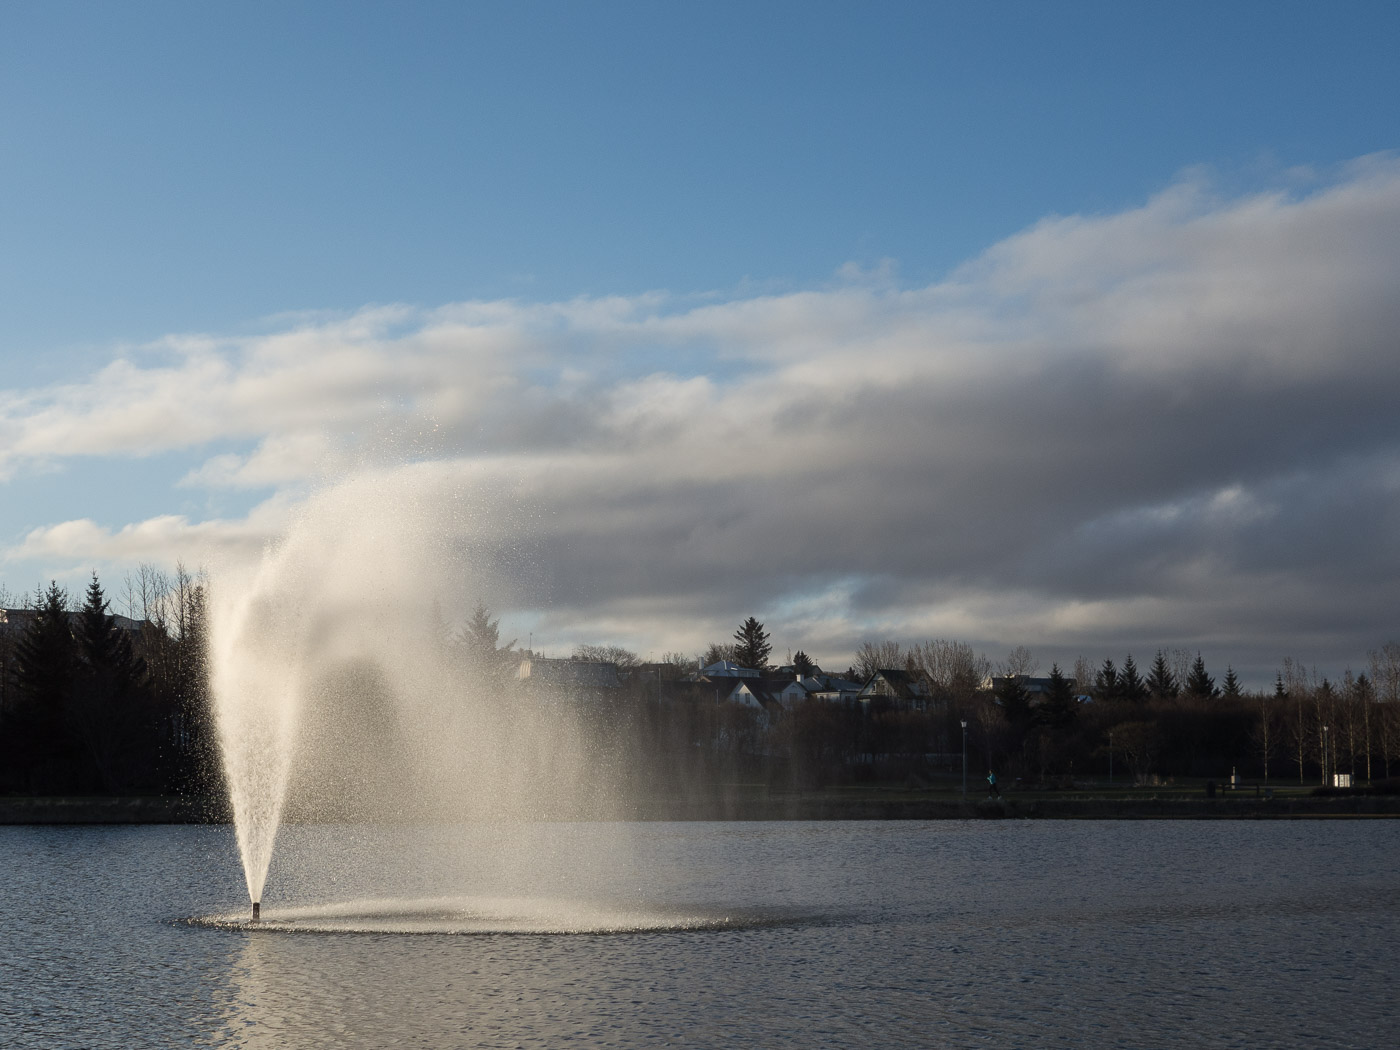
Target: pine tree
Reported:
[(802, 664), (1161, 683), (480, 642), (1232, 684), (1130, 682), (1106, 683), (105, 707), (751, 645), (1059, 708), (105, 649), (1198, 683), (44, 655), (43, 667), (1015, 701)]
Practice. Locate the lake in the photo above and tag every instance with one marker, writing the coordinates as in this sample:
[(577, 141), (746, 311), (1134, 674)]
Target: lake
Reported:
[(790, 934)]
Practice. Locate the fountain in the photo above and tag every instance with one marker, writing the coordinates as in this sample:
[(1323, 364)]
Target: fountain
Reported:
[(336, 699)]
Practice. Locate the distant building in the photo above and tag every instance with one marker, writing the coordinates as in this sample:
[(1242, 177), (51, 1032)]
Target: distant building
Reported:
[(728, 669), (1036, 688), (18, 620), (894, 685), (568, 675), (824, 687)]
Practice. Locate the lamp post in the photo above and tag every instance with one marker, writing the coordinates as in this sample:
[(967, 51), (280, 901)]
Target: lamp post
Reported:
[(964, 728), (1110, 758), (1324, 756)]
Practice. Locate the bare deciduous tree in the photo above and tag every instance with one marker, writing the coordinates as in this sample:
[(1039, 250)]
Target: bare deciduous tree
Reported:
[(1265, 732), (1019, 661), (1083, 674), (878, 656), (951, 669), (607, 654), (1138, 743), (717, 652)]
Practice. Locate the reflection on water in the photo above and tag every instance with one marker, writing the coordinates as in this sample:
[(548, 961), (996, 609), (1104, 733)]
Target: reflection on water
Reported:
[(1071, 934)]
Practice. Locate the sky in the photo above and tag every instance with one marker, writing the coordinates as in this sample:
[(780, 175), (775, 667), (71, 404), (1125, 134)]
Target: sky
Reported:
[(1069, 325)]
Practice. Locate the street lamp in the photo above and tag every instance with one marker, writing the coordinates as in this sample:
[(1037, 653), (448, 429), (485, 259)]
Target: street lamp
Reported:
[(1110, 758), (1324, 756), (964, 725)]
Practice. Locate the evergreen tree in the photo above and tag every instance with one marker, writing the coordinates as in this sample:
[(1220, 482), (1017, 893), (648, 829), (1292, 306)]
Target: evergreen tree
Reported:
[(1232, 684), (105, 649), (1106, 683), (1014, 700), (1198, 683), (1059, 708), (105, 705), (44, 656), (751, 645), (1130, 682), (1161, 683), (44, 660), (802, 664), (480, 642)]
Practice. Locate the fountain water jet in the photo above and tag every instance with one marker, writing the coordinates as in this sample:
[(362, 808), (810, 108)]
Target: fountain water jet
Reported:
[(336, 698)]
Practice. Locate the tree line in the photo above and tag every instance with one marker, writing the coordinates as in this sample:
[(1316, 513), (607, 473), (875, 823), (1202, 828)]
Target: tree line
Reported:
[(91, 705), (1176, 719)]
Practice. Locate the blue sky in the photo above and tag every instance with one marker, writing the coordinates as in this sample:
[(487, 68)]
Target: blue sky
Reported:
[(173, 167), (242, 172)]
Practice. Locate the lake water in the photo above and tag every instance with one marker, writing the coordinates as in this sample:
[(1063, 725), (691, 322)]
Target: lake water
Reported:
[(941, 934)]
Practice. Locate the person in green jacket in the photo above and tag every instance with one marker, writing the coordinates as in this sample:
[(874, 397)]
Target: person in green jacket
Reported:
[(992, 790)]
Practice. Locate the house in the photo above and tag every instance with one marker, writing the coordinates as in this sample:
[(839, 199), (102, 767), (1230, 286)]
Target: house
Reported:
[(897, 686), (764, 695), (727, 669), (1037, 689), (824, 687), (763, 692)]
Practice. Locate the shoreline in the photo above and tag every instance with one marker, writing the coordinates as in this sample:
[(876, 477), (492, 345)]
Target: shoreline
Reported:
[(176, 810)]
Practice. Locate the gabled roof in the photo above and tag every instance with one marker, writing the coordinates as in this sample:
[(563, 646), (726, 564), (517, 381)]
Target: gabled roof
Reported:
[(767, 691), (728, 669), (835, 684), (893, 682)]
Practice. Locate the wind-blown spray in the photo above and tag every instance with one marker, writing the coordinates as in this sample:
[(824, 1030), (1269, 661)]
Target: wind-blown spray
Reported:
[(338, 695)]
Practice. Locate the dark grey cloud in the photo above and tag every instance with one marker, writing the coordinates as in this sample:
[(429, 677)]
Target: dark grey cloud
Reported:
[(1172, 426)]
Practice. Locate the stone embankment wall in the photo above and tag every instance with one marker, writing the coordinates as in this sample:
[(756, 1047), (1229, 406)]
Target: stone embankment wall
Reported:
[(1019, 807), (117, 810), (779, 807)]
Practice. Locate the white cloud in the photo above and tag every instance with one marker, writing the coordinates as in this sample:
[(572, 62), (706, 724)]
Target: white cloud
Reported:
[(75, 546), (1105, 424)]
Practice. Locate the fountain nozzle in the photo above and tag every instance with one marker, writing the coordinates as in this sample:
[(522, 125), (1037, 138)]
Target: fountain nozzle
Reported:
[(257, 906)]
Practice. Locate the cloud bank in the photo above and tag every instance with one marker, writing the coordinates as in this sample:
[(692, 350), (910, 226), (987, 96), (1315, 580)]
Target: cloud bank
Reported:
[(1173, 425)]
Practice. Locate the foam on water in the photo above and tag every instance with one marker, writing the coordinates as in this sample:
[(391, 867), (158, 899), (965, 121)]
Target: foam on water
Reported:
[(488, 915)]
